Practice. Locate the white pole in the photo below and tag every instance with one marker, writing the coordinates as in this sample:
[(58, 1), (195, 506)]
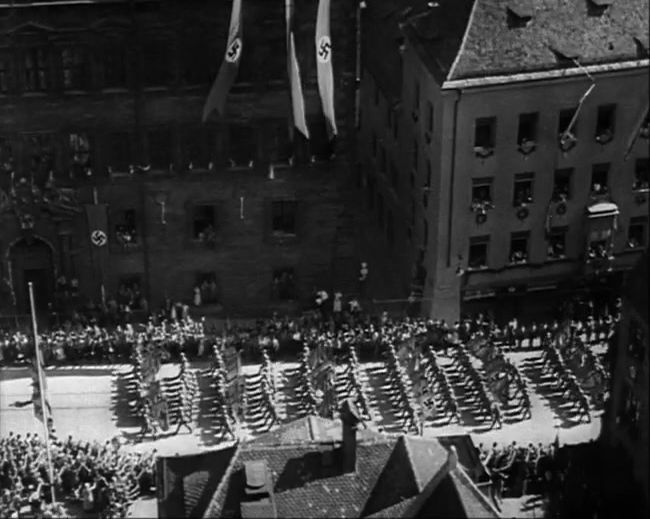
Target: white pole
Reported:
[(41, 378)]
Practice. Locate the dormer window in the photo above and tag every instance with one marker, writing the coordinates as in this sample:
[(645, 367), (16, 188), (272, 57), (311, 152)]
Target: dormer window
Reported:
[(520, 13), (566, 55), (598, 7)]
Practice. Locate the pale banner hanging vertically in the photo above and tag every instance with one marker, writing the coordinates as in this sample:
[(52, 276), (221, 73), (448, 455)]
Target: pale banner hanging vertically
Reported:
[(229, 66), (293, 69), (324, 65)]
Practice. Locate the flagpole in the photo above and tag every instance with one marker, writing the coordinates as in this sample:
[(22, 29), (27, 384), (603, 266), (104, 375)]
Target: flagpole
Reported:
[(41, 377)]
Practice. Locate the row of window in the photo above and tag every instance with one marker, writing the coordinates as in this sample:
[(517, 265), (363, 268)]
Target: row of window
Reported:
[(159, 61), (197, 147), (204, 223), (523, 192), (567, 130), (556, 248)]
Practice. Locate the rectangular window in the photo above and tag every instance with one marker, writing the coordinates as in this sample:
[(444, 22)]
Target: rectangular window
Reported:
[(283, 217), (562, 184), (478, 252), (119, 151), (557, 243), (527, 132), (481, 190), (5, 71), (284, 284), (160, 148), (243, 145), (75, 68), (641, 177), (599, 179), (564, 121), (204, 223), (484, 135), (429, 116), (156, 71), (206, 282), (36, 73), (519, 247), (79, 154), (605, 123), (114, 65), (126, 230), (636, 235), (523, 189)]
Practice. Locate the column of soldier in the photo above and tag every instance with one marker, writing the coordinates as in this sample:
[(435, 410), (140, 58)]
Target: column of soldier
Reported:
[(224, 418), (181, 392), (475, 386), (260, 394), (441, 398), (553, 365), (308, 399), (353, 382), (399, 391)]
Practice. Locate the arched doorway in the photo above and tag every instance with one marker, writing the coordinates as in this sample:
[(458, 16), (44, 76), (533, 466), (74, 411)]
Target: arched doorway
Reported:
[(31, 260)]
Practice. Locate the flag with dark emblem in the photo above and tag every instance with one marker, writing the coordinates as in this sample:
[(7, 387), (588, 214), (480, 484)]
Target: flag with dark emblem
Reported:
[(229, 66), (324, 65)]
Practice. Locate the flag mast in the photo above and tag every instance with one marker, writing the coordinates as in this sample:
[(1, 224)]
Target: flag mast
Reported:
[(41, 376)]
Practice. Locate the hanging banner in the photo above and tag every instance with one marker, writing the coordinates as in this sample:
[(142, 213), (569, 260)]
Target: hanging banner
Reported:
[(324, 65), (293, 70)]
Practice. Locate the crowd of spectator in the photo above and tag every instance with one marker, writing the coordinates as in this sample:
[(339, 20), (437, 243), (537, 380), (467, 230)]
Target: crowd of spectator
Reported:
[(103, 478)]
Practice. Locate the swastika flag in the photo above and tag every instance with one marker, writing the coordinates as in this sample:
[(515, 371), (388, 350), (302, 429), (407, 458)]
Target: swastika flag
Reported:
[(324, 65)]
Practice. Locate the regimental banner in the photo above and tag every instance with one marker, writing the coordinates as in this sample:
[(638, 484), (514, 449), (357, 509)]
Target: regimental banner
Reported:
[(98, 238), (229, 66), (293, 70), (324, 65)]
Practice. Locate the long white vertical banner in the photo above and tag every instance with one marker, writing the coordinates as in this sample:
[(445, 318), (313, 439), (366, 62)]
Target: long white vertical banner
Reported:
[(293, 70), (324, 65)]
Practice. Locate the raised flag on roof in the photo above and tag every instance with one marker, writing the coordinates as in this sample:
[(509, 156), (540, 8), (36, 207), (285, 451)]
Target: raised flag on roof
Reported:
[(324, 65), (229, 66)]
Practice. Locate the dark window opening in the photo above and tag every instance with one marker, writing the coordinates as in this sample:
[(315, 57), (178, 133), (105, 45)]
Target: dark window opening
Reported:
[(5, 72), (126, 230), (207, 287), (481, 193), (284, 284), (114, 66), (599, 180), (605, 123), (478, 252), (517, 18), (527, 133), (283, 217), (564, 121), (160, 148), (41, 156), (523, 189), (75, 68), (119, 151), (243, 146), (204, 224), (636, 235), (598, 249), (562, 184), (156, 71), (484, 136), (129, 293), (79, 155), (557, 243), (36, 73), (641, 177), (519, 247)]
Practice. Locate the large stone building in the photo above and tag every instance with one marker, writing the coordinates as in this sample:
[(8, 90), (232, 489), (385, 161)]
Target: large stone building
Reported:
[(314, 467), (105, 98), (627, 414), (504, 146)]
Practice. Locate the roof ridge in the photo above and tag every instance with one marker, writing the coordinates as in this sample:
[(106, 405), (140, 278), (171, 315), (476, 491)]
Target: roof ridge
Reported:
[(405, 440), (225, 478), (468, 26)]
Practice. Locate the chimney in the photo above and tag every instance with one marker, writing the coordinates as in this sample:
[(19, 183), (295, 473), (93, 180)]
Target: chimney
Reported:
[(258, 499), (350, 419)]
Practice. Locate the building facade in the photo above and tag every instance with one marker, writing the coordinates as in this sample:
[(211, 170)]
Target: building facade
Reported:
[(100, 105), (501, 157), (628, 412)]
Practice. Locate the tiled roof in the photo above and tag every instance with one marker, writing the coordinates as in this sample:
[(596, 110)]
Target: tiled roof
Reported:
[(501, 37), (467, 455)]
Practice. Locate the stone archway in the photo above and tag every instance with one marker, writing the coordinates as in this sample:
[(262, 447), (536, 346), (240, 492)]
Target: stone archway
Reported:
[(31, 259)]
